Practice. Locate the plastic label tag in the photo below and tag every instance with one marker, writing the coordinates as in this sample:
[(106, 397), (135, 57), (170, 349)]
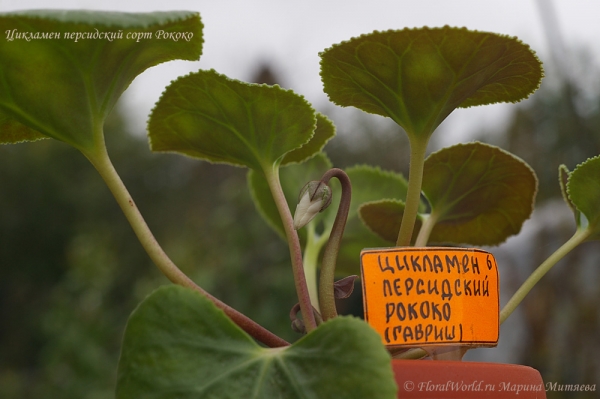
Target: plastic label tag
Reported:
[(431, 296)]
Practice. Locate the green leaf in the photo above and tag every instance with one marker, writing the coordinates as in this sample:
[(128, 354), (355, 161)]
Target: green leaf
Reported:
[(324, 132), (418, 76), (383, 218), (479, 194), (177, 344), (583, 188), (293, 177), (209, 116), (61, 72), (370, 183), (12, 132)]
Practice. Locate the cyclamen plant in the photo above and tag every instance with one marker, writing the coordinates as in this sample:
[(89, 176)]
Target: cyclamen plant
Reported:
[(183, 342)]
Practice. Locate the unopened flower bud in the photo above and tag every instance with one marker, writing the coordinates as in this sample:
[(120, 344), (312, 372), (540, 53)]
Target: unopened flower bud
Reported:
[(314, 197)]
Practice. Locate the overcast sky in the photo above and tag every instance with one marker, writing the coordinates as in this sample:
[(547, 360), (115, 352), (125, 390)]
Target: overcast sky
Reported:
[(240, 34)]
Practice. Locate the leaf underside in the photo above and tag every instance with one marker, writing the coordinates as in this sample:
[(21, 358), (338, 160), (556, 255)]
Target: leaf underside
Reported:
[(208, 116), (64, 86), (481, 193), (384, 217), (418, 76), (12, 132), (177, 344)]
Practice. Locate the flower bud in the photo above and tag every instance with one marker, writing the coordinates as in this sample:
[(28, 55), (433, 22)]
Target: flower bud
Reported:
[(314, 197)]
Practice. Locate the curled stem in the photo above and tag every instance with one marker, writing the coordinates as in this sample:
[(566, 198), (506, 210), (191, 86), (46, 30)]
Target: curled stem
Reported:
[(101, 161), (327, 275)]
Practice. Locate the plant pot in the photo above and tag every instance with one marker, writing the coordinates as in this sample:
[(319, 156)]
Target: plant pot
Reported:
[(442, 379)]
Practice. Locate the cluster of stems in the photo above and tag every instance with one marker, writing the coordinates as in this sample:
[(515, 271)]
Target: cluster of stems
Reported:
[(315, 197), (100, 159), (315, 305)]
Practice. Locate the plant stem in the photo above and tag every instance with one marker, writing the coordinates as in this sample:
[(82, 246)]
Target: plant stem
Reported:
[(326, 293), (413, 194), (101, 161), (314, 243), (272, 176), (426, 228), (579, 237)]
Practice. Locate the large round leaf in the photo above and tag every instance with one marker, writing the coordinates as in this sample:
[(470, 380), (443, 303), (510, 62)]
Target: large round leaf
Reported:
[(479, 193), (418, 76), (61, 72), (583, 188), (209, 116), (177, 344)]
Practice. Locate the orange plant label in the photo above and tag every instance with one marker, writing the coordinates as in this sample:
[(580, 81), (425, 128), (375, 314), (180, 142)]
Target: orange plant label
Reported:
[(431, 296)]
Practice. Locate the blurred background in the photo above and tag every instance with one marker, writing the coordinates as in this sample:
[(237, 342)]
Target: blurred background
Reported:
[(71, 269)]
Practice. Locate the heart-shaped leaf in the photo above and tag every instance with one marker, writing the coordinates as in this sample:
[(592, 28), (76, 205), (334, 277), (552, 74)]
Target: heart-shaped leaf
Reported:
[(479, 194), (61, 72), (418, 76), (383, 218), (293, 177), (177, 344), (209, 116), (583, 188)]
